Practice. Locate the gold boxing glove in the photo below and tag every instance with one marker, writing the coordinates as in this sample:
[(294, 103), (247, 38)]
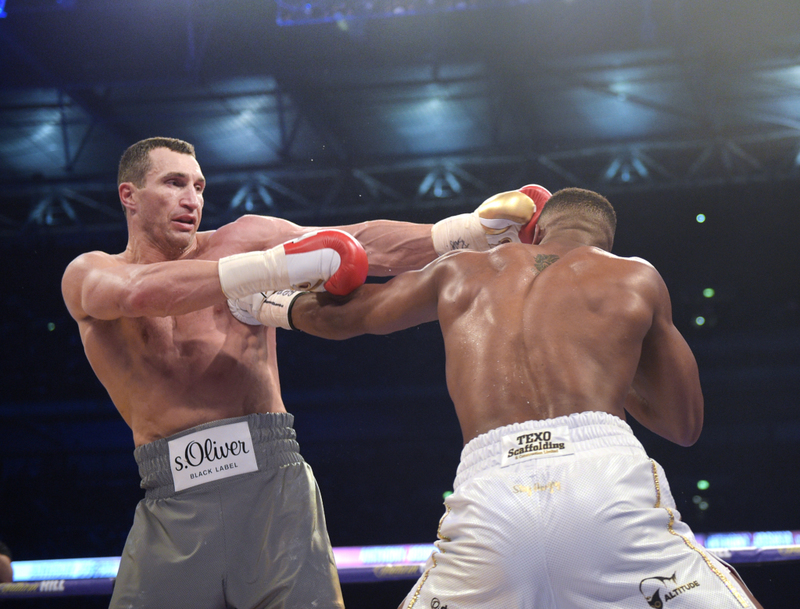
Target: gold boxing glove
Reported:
[(507, 217)]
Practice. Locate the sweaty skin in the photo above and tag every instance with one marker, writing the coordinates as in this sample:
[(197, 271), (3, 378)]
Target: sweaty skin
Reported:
[(537, 331), (154, 321)]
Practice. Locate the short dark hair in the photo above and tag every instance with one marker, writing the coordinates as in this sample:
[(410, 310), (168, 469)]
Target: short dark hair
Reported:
[(135, 162), (579, 201)]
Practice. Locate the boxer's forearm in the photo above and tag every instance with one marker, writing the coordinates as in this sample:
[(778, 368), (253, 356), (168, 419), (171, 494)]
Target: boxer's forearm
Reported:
[(142, 290), (323, 316), (407, 300), (394, 247), (171, 288)]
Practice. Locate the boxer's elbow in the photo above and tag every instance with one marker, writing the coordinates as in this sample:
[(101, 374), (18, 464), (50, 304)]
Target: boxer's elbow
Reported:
[(678, 419), (693, 422)]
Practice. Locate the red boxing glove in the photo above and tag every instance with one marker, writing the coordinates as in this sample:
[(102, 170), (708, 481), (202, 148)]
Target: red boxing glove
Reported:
[(329, 258), (346, 264), (540, 195)]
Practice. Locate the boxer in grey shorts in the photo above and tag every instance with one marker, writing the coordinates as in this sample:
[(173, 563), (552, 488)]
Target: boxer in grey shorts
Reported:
[(251, 539)]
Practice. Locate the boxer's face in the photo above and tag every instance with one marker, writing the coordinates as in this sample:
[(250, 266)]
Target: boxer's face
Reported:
[(169, 205)]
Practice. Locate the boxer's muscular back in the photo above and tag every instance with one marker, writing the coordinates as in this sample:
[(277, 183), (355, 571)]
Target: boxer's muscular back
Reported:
[(535, 332)]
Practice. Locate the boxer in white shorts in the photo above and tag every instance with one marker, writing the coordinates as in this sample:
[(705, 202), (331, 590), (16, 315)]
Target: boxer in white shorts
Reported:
[(551, 344)]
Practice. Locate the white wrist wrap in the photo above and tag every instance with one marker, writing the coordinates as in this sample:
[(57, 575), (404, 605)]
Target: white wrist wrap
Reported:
[(460, 232), (243, 274), (265, 308), (275, 309)]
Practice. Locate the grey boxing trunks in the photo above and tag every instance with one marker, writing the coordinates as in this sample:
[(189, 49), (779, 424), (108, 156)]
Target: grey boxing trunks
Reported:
[(232, 517)]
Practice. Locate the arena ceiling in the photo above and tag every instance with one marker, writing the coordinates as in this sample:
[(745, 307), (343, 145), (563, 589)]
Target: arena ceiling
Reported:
[(416, 113)]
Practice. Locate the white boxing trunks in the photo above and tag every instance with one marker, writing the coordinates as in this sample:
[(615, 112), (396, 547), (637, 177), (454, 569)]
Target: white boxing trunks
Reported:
[(567, 513)]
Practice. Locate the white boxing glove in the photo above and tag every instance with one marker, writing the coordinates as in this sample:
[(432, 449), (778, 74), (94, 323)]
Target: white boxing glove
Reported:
[(265, 308), (243, 308), (507, 217)]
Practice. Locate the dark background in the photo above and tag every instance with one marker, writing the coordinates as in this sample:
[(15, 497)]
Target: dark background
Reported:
[(669, 108)]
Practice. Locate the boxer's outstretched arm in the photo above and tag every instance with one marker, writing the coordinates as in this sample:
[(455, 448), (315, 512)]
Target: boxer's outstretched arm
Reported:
[(405, 301), (666, 396), (99, 285), (507, 217), (395, 247), (392, 247), (106, 287)]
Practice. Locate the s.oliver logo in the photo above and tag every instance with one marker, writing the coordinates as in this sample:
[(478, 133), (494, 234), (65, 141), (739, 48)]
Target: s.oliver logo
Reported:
[(196, 453), (211, 454)]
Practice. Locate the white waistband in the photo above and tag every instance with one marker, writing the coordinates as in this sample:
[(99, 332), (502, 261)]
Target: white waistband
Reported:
[(587, 431)]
